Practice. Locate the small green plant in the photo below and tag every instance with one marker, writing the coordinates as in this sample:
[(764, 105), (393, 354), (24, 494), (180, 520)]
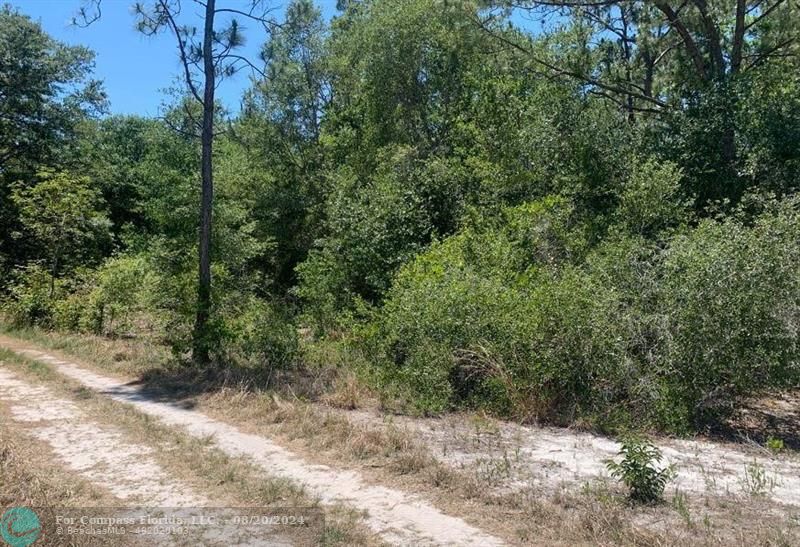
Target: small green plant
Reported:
[(599, 490), (681, 504), (756, 481), (638, 470), (494, 470), (775, 445)]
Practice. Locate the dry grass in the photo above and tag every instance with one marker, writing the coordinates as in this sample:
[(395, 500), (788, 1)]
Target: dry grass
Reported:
[(387, 454), (347, 392), (28, 479)]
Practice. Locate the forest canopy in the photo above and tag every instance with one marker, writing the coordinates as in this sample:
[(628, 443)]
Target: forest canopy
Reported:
[(592, 220)]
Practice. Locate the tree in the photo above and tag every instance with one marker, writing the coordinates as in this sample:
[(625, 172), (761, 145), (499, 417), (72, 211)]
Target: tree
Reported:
[(65, 214), (208, 55), (115, 152), (682, 61), (279, 130), (296, 89), (45, 89), (647, 55)]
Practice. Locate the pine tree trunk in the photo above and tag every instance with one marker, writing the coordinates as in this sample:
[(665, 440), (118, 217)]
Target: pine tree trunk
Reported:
[(202, 336)]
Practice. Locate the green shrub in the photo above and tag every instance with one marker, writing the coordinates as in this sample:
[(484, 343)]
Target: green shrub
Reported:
[(324, 288), (78, 311), (639, 472), (651, 200), (122, 285), (32, 297), (262, 332), (775, 445), (496, 316), (424, 383), (731, 296), (542, 349), (101, 301), (518, 317), (377, 225)]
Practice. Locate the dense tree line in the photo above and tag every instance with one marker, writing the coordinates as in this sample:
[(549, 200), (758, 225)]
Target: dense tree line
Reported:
[(596, 220)]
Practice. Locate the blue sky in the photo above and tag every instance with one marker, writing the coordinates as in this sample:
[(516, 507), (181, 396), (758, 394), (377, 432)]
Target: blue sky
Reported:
[(133, 67), (136, 68)]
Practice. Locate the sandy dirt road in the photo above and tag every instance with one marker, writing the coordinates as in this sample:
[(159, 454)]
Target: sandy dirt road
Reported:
[(397, 517), (101, 454)]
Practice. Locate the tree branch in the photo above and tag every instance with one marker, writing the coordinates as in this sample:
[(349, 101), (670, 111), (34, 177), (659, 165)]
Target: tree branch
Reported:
[(86, 21), (764, 14), (623, 105), (564, 72), (177, 129), (771, 52), (182, 49), (263, 19), (686, 36), (567, 3), (247, 61)]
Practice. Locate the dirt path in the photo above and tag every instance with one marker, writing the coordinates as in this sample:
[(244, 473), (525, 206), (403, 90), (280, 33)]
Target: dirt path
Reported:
[(97, 452), (127, 470), (398, 517)]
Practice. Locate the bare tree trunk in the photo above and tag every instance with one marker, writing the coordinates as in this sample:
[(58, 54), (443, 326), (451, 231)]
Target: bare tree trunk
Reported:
[(738, 36), (53, 272), (202, 337), (626, 49), (713, 42)]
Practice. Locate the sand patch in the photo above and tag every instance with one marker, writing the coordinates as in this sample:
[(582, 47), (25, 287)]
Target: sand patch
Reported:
[(511, 455)]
